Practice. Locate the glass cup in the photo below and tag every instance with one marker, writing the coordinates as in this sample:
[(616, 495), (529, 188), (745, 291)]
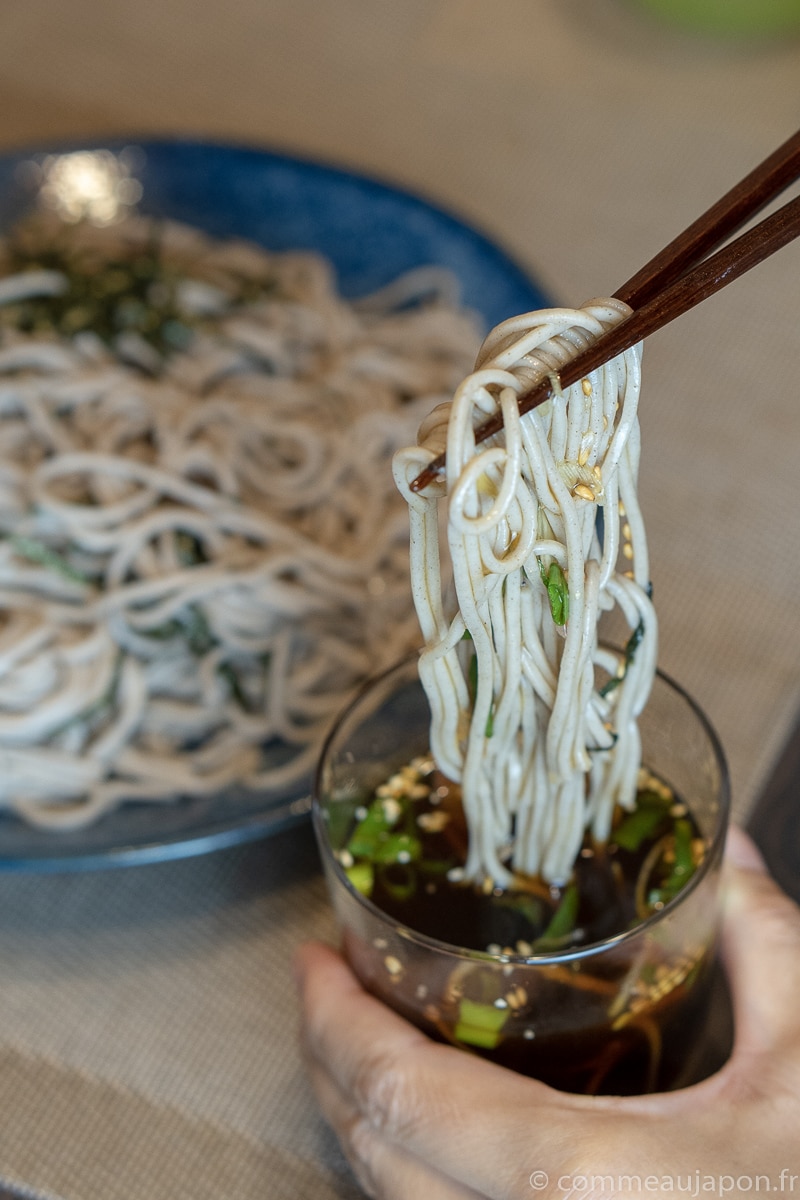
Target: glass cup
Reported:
[(626, 1015)]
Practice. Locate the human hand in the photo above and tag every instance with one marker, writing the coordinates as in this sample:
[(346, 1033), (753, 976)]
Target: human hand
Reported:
[(418, 1119)]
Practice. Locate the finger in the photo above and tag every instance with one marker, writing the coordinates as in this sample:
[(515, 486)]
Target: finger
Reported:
[(382, 1169), (482, 1125), (741, 851), (761, 948)]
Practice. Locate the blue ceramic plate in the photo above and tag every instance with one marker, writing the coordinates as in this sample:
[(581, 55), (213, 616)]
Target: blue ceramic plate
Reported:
[(371, 232)]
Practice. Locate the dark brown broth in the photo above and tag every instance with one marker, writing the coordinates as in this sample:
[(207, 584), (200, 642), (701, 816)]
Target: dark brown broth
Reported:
[(417, 881), (604, 1030)]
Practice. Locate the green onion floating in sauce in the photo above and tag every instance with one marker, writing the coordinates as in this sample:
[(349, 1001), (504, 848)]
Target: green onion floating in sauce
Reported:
[(480, 1024)]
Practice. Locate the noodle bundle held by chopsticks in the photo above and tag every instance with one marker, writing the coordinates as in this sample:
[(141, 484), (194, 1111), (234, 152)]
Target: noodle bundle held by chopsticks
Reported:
[(531, 714)]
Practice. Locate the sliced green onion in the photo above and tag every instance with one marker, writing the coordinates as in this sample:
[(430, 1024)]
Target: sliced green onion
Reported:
[(371, 829), (635, 827), (563, 921), (362, 877), (396, 848), (38, 552), (480, 1024), (399, 882), (555, 581)]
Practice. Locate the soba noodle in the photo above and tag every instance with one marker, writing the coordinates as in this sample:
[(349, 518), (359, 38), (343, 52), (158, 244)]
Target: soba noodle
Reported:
[(201, 549), (521, 716)]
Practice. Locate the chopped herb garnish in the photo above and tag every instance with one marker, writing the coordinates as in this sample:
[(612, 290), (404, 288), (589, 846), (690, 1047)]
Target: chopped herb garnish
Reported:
[(38, 552), (480, 1024), (134, 302), (110, 299), (399, 881), (563, 921), (529, 907), (372, 830), (396, 848), (197, 630), (362, 877), (435, 866), (189, 549), (637, 826), (555, 582), (472, 677), (472, 684), (683, 866), (631, 646)]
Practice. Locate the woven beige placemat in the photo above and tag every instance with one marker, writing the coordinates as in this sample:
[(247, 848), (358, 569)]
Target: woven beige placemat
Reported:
[(149, 1030), (96, 1139)]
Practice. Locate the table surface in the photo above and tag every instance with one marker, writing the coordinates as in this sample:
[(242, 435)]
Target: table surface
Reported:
[(147, 1044)]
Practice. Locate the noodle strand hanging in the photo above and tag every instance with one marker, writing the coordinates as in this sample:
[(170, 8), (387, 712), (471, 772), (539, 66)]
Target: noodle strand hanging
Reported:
[(531, 714)]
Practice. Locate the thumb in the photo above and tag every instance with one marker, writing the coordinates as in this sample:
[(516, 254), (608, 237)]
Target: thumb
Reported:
[(761, 949)]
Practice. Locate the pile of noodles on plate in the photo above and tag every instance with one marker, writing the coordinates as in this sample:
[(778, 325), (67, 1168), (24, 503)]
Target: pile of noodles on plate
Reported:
[(531, 713), (202, 552)]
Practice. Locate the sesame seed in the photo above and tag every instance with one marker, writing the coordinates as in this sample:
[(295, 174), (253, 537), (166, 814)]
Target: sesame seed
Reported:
[(391, 810), (393, 965), (586, 387), (433, 822)]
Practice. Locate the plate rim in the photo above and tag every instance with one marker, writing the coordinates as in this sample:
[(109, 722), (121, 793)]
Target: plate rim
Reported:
[(490, 243)]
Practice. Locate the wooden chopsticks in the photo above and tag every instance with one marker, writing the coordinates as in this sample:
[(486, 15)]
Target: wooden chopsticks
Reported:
[(680, 276), (731, 212)]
